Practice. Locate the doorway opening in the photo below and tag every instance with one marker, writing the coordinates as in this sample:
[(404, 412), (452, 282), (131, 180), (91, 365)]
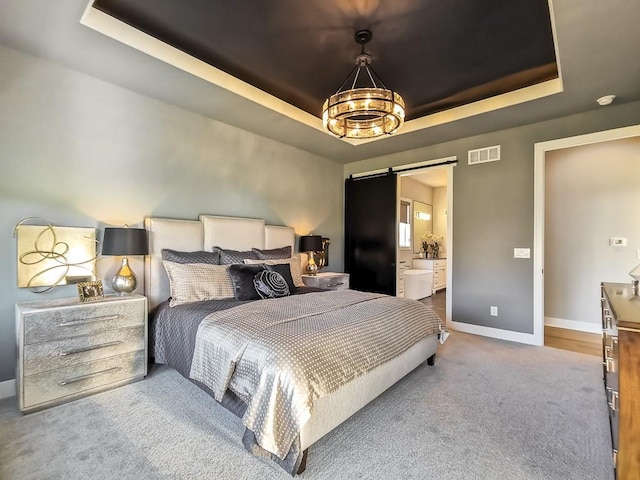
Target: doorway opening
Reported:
[(399, 252), (542, 151), (429, 188)]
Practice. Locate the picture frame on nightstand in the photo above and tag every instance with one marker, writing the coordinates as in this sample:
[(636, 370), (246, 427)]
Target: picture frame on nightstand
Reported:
[(90, 291)]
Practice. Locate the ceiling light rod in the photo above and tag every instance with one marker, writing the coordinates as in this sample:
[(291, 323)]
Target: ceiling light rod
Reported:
[(363, 112), (362, 61)]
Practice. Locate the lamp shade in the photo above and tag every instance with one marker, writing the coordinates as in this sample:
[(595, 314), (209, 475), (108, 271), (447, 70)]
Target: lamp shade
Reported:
[(125, 241), (311, 243)]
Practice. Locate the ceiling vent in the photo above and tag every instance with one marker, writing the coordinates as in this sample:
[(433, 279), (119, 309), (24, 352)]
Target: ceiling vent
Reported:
[(483, 155)]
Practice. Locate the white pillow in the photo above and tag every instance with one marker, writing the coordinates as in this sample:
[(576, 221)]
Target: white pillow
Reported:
[(195, 282), (294, 263)]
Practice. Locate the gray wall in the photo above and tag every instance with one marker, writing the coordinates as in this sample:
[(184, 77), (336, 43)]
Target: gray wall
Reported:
[(592, 193), (78, 151), (493, 213)]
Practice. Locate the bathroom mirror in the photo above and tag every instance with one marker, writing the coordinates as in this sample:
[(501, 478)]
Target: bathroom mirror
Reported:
[(422, 223)]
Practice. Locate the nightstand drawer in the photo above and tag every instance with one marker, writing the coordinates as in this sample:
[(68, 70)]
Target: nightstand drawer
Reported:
[(51, 324), (41, 357), (57, 385), (328, 280)]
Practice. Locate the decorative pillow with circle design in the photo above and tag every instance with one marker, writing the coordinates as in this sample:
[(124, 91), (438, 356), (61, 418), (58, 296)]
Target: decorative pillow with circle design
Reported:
[(270, 284)]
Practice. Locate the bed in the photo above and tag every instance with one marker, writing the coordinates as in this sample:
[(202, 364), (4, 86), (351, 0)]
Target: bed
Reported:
[(181, 343)]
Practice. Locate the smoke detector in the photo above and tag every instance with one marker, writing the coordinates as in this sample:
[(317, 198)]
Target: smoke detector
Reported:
[(606, 100)]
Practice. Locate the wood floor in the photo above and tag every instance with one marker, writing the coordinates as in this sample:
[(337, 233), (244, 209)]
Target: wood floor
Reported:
[(565, 339), (582, 342)]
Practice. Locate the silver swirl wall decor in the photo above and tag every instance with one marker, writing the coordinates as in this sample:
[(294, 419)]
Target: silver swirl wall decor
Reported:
[(49, 255)]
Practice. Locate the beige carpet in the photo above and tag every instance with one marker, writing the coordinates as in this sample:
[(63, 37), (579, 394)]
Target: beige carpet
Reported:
[(489, 409)]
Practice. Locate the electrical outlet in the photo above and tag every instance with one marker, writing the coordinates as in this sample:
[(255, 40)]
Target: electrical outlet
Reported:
[(493, 311), (521, 253), (638, 255)]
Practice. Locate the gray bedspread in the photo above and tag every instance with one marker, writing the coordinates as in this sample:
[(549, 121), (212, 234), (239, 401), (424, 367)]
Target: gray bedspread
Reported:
[(278, 355)]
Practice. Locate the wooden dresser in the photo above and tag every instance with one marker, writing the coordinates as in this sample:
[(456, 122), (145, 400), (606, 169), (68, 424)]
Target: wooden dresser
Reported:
[(621, 361), (68, 349)]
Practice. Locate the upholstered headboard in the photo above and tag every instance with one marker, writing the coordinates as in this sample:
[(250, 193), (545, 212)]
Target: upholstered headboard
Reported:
[(203, 234)]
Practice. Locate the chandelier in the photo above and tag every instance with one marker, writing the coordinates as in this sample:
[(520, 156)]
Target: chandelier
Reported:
[(363, 112)]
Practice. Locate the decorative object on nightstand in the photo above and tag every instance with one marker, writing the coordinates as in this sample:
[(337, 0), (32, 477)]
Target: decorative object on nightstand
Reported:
[(126, 242), (635, 274), (311, 244), (90, 291), (68, 349), (323, 255), (328, 280)]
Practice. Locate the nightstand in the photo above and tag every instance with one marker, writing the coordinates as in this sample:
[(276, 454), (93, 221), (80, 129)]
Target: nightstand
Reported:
[(329, 280), (68, 349)]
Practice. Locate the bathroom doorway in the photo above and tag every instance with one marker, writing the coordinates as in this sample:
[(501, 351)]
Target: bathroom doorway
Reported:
[(430, 192)]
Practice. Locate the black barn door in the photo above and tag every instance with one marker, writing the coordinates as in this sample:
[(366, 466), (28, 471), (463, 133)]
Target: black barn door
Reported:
[(370, 233)]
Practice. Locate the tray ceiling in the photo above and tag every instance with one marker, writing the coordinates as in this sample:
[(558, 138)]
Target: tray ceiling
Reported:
[(438, 55)]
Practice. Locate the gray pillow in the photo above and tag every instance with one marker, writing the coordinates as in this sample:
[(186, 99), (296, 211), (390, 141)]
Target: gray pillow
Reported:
[(242, 279), (211, 258), (229, 257), (273, 254)]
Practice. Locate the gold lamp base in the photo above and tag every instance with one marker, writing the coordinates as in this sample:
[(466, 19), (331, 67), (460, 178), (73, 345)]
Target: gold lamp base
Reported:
[(312, 267)]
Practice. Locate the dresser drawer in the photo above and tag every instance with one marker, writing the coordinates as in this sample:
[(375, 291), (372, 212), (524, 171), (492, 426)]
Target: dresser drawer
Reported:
[(42, 325), (57, 385), (40, 357)]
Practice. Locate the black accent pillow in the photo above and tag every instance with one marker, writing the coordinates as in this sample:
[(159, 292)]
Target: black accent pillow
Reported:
[(211, 258), (229, 257), (242, 279), (284, 269), (269, 284), (273, 254)]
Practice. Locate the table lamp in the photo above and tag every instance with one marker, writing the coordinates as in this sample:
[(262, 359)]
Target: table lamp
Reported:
[(311, 244), (125, 242)]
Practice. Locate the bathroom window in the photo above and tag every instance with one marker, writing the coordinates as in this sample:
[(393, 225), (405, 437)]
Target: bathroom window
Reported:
[(404, 224)]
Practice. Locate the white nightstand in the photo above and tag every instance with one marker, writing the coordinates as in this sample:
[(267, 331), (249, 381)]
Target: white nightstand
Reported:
[(68, 349), (329, 280)]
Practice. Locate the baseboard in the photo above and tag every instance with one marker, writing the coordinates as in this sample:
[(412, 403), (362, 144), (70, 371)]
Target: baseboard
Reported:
[(527, 338), (7, 389), (573, 325)]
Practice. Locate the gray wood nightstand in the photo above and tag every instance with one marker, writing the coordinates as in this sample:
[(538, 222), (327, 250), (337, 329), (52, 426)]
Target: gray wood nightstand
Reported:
[(68, 349), (330, 280)]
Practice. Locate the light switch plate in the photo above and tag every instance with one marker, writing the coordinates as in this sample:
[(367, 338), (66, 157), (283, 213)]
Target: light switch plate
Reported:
[(618, 242), (521, 253)]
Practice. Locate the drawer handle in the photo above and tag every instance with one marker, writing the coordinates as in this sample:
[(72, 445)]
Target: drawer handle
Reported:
[(89, 320), (335, 284), (613, 403), (69, 381), (89, 348), (610, 365)]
